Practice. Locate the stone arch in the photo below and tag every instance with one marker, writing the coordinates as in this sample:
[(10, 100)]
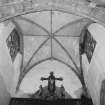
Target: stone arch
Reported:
[(55, 60), (41, 61), (77, 8)]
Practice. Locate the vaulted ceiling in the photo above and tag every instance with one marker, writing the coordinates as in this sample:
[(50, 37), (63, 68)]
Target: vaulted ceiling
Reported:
[(47, 32), (51, 29), (51, 35)]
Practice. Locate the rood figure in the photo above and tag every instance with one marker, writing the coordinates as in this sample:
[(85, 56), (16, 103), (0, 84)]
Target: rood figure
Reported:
[(51, 82)]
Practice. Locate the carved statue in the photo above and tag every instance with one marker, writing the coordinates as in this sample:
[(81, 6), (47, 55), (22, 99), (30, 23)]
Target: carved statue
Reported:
[(62, 91), (51, 82), (40, 90)]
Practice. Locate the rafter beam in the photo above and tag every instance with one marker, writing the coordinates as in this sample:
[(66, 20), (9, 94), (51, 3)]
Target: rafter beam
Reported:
[(69, 24), (24, 73), (35, 64), (43, 60), (73, 69), (67, 53), (34, 23), (35, 53), (66, 36), (51, 23), (26, 35)]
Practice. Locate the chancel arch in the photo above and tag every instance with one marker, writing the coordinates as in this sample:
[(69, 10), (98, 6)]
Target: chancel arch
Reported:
[(83, 9), (59, 69)]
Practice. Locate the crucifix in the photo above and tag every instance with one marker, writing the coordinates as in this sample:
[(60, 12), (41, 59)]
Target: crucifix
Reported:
[(51, 82)]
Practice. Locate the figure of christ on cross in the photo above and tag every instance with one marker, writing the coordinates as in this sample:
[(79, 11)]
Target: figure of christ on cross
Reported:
[(51, 82)]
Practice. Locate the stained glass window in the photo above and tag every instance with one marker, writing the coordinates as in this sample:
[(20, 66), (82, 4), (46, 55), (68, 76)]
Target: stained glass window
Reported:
[(13, 43), (88, 45)]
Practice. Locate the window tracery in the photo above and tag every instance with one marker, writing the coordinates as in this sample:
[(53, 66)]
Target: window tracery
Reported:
[(87, 45), (13, 43)]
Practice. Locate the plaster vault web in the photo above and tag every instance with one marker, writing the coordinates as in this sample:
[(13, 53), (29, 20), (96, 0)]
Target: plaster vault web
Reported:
[(51, 35)]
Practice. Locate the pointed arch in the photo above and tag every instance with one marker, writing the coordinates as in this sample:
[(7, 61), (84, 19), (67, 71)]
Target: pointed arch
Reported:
[(43, 60), (77, 8)]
